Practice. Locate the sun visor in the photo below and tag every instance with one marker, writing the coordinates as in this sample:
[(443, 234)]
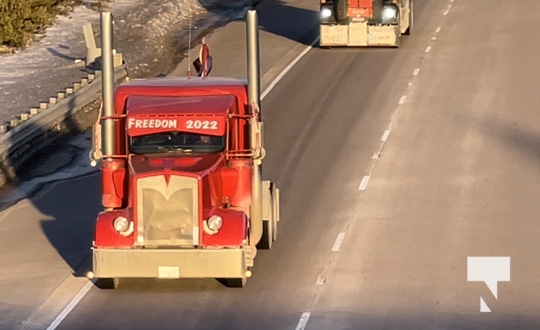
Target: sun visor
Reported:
[(191, 114)]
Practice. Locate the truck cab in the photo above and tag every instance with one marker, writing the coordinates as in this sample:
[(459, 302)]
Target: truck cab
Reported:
[(182, 184), (364, 23)]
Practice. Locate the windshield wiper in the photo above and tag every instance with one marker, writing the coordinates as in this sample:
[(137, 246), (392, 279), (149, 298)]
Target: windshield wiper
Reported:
[(174, 149)]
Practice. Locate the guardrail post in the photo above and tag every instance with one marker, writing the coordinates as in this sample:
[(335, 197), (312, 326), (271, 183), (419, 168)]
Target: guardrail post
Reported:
[(92, 52)]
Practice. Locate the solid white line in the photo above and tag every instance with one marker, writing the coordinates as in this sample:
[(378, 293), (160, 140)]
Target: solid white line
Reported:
[(416, 71), (402, 99), (338, 241), (287, 69), (385, 136), (320, 280), (303, 321), (428, 49), (70, 306), (364, 183)]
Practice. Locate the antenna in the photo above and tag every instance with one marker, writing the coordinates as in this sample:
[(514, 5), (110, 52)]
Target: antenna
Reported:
[(189, 50)]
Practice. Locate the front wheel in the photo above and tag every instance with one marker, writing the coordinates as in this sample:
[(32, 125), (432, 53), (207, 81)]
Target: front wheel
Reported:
[(233, 282), (108, 283)]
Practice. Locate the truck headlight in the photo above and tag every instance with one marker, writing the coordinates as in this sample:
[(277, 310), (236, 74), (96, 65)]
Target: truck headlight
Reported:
[(389, 14), (215, 222), (121, 224), (325, 13)]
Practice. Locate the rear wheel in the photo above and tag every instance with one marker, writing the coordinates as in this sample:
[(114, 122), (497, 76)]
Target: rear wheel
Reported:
[(270, 224), (411, 20), (266, 240)]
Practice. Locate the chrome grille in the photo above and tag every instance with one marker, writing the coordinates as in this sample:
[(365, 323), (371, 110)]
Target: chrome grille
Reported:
[(167, 215)]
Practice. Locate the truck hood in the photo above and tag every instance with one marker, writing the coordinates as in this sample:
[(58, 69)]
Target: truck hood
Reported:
[(201, 165)]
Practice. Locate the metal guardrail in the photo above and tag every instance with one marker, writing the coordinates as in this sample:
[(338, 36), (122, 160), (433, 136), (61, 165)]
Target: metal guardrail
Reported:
[(35, 130)]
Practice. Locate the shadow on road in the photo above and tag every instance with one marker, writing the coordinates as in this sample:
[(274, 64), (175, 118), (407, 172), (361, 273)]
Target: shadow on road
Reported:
[(58, 54), (73, 209), (275, 16), (288, 21), (518, 142)]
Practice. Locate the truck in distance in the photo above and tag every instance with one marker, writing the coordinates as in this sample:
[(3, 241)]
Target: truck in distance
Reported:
[(364, 23)]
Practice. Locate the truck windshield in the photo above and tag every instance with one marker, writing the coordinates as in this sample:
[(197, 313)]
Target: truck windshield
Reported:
[(176, 142)]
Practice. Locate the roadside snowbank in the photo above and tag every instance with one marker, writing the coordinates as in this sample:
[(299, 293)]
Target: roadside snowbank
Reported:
[(57, 60)]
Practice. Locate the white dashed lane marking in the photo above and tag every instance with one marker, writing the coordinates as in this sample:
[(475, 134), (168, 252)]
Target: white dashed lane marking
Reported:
[(402, 99), (337, 243), (303, 321), (320, 280), (71, 305), (364, 183), (447, 10)]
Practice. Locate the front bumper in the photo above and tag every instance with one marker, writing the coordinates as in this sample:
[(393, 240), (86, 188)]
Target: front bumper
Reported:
[(358, 34), (160, 263)]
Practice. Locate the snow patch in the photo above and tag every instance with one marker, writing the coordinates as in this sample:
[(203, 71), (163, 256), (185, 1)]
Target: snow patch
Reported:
[(80, 166), (46, 67)]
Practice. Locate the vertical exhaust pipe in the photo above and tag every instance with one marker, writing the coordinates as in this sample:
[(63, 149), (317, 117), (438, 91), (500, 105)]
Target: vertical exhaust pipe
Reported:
[(107, 83), (253, 57), (252, 31), (112, 169)]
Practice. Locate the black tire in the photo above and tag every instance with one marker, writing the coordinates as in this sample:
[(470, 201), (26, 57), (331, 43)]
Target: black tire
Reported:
[(377, 12), (341, 11), (233, 282), (276, 215), (411, 20), (266, 239), (107, 283)]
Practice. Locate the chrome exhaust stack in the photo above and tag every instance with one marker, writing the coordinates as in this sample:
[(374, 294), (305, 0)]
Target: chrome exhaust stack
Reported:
[(107, 84), (253, 71)]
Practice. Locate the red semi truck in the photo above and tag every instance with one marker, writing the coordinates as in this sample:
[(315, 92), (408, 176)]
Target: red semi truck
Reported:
[(364, 23), (181, 165)]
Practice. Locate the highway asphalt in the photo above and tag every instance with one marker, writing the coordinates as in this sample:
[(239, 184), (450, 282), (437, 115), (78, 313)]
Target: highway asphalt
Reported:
[(394, 167)]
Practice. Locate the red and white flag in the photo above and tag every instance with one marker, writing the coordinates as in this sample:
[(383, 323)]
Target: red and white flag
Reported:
[(203, 64)]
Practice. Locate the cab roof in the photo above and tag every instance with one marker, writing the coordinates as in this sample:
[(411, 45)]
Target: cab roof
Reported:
[(184, 82), (194, 95), (180, 105)]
